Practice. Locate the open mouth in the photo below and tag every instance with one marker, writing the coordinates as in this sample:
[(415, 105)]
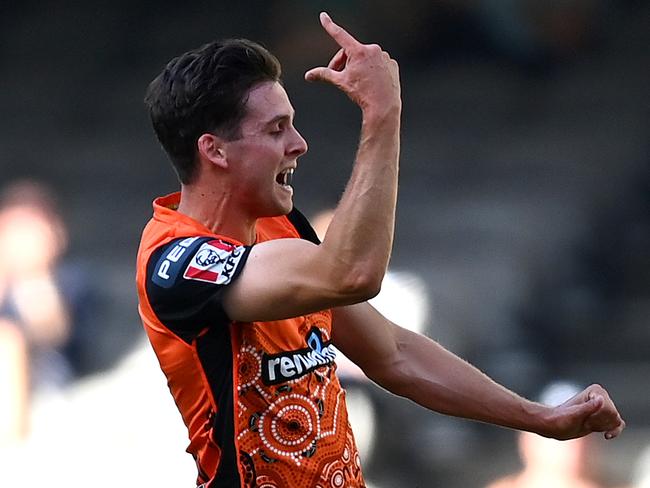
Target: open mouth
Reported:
[(285, 177)]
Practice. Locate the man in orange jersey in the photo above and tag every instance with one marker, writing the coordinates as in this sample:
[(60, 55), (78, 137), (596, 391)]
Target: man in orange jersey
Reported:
[(242, 303)]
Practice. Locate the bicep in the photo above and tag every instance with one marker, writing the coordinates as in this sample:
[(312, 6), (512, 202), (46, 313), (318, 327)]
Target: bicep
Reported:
[(286, 278)]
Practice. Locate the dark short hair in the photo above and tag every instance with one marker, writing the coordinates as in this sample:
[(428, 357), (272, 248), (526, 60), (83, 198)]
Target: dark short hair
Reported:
[(205, 91)]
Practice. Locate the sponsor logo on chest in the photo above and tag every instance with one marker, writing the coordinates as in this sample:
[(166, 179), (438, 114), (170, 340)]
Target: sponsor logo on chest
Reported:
[(289, 365)]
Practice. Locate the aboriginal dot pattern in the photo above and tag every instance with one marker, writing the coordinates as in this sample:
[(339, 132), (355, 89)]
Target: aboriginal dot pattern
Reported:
[(297, 435)]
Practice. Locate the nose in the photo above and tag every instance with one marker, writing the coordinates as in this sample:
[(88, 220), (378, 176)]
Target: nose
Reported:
[(298, 145)]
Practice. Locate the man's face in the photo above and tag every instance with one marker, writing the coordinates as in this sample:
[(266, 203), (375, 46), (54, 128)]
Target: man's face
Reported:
[(262, 159)]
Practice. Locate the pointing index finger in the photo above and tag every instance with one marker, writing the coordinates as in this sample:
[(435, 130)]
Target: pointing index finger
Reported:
[(338, 33)]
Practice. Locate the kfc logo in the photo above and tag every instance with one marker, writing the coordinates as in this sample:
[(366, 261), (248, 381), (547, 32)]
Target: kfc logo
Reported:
[(207, 257), (214, 262)]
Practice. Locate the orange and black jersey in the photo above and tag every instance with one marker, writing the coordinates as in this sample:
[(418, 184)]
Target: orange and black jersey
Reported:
[(261, 400)]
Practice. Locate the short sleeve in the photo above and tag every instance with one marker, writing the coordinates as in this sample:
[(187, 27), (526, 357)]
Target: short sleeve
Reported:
[(186, 279)]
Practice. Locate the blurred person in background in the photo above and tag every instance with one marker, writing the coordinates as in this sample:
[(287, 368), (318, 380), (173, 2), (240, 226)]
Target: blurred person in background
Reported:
[(241, 301), (35, 316)]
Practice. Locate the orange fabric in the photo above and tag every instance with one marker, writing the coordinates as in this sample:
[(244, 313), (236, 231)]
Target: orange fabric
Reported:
[(288, 434)]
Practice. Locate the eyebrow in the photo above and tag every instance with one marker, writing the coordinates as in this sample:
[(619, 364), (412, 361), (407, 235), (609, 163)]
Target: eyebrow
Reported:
[(279, 118)]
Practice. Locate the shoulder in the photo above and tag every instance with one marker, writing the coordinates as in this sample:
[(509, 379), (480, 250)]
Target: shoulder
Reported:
[(202, 258), (185, 280)]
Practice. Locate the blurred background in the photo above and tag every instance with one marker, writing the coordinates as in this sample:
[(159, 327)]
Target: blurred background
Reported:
[(522, 238)]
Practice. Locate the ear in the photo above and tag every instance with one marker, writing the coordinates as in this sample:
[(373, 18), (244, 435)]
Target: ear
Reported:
[(211, 149)]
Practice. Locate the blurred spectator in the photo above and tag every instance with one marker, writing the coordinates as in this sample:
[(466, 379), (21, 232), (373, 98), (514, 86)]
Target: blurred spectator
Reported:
[(531, 32), (36, 312), (551, 463), (531, 35)]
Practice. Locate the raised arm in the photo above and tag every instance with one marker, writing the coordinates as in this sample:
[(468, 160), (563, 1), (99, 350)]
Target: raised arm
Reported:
[(361, 231), (415, 367), (285, 278)]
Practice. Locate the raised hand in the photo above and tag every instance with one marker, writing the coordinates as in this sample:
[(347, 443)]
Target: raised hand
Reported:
[(365, 72)]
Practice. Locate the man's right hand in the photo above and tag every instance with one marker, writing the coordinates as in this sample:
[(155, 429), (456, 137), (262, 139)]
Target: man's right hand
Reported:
[(366, 73), (591, 410)]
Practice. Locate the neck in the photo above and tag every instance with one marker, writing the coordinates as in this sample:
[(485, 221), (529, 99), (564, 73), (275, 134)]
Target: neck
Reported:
[(215, 209)]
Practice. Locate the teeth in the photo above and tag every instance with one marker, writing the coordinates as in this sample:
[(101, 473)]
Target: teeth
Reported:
[(286, 177)]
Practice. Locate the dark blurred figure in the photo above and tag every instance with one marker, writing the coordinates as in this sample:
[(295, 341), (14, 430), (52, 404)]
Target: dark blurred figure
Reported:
[(605, 281), (531, 36), (39, 301), (537, 35)]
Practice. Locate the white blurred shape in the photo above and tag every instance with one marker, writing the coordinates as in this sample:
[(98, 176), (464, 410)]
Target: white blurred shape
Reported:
[(120, 428), (403, 299)]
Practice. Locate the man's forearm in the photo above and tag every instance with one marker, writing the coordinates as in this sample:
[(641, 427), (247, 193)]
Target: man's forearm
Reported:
[(439, 380), (414, 366), (360, 237), (361, 231)]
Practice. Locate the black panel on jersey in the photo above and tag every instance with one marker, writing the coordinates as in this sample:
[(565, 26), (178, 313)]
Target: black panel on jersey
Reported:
[(185, 305), (215, 354), (302, 225)]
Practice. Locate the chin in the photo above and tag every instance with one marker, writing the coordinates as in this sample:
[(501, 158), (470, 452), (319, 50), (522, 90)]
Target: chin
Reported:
[(285, 206), (279, 210), (286, 210)]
